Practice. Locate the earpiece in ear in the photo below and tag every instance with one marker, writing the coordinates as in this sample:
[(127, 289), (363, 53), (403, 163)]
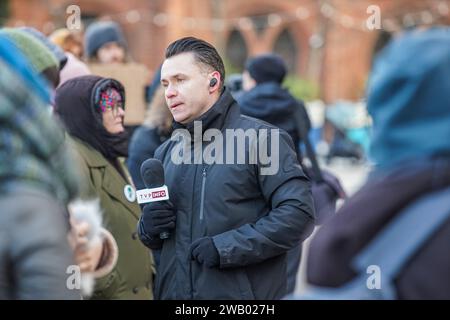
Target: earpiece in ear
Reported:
[(213, 82)]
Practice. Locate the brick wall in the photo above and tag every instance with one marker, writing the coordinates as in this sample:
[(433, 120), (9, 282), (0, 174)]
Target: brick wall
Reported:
[(341, 66)]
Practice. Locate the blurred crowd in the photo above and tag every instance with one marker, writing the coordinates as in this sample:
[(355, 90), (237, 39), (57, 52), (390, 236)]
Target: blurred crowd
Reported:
[(70, 163)]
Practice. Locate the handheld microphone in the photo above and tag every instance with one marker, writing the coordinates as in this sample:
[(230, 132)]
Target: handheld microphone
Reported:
[(152, 173)]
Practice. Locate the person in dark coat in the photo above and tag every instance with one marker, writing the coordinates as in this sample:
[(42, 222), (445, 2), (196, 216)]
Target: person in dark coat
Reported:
[(92, 111), (147, 138), (230, 224), (264, 98), (409, 104)]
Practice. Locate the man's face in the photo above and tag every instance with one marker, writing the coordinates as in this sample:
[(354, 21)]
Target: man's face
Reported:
[(186, 85)]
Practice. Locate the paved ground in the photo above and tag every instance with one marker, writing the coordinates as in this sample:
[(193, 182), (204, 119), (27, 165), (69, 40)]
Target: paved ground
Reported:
[(352, 177)]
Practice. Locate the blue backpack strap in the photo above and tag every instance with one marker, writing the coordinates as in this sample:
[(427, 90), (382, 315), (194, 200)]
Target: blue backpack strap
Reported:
[(404, 235)]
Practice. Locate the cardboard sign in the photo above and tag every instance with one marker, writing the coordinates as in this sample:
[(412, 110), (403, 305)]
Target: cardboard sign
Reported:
[(134, 77)]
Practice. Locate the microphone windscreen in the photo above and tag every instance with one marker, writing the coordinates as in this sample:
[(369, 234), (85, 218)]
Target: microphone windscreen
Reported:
[(152, 173)]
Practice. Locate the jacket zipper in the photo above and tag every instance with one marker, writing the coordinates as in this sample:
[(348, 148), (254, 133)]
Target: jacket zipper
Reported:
[(202, 195)]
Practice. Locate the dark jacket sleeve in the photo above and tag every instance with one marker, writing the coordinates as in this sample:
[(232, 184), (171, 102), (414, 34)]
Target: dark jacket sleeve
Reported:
[(290, 220), (40, 255)]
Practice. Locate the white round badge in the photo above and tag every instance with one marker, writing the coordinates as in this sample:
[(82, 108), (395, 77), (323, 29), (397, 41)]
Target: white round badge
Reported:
[(129, 193)]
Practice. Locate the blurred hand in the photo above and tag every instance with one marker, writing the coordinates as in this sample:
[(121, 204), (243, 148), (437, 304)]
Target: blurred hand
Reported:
[(87, 253)]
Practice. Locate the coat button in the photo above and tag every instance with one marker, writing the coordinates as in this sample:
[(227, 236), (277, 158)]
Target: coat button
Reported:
[(135, 290), (134, 235)]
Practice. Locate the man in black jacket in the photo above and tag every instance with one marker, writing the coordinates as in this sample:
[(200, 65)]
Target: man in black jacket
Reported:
[(231, 220), (264, 97)]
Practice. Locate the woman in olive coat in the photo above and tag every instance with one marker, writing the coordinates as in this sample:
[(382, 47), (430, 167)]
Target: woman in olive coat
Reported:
[(92, 110)]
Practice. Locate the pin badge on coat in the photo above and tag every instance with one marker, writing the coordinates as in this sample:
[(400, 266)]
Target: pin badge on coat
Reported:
[(129, 193)]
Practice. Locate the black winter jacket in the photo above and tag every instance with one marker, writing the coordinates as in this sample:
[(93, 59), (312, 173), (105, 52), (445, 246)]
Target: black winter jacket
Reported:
[(253, 219), (269, 102)]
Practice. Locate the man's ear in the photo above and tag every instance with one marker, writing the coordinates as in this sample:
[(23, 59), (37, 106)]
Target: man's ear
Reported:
[(214, 81)]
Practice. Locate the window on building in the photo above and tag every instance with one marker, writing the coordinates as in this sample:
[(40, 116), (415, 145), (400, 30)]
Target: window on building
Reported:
[(236, 52), (88, 18), (260, 23), (286, 47), (4, 11)]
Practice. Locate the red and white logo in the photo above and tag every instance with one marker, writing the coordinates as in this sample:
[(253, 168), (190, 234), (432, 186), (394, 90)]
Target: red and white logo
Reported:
[(152, 195), (158, 194)]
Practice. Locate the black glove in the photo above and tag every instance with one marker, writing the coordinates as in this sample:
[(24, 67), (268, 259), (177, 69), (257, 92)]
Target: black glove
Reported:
[(157, 217), (205, 252)]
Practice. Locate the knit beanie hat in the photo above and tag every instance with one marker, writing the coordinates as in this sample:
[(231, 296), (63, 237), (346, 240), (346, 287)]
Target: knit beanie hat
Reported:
[(39, 56), (100, 33), (57, 51), (266, 68)]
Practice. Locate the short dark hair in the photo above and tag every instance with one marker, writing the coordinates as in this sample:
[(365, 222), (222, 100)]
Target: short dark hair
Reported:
[(203, 52)]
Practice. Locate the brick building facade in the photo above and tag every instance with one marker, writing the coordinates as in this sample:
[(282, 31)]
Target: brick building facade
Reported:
[(322, 40)]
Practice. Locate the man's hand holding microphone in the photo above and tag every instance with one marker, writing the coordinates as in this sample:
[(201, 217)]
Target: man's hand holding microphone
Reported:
[(158, 215)]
